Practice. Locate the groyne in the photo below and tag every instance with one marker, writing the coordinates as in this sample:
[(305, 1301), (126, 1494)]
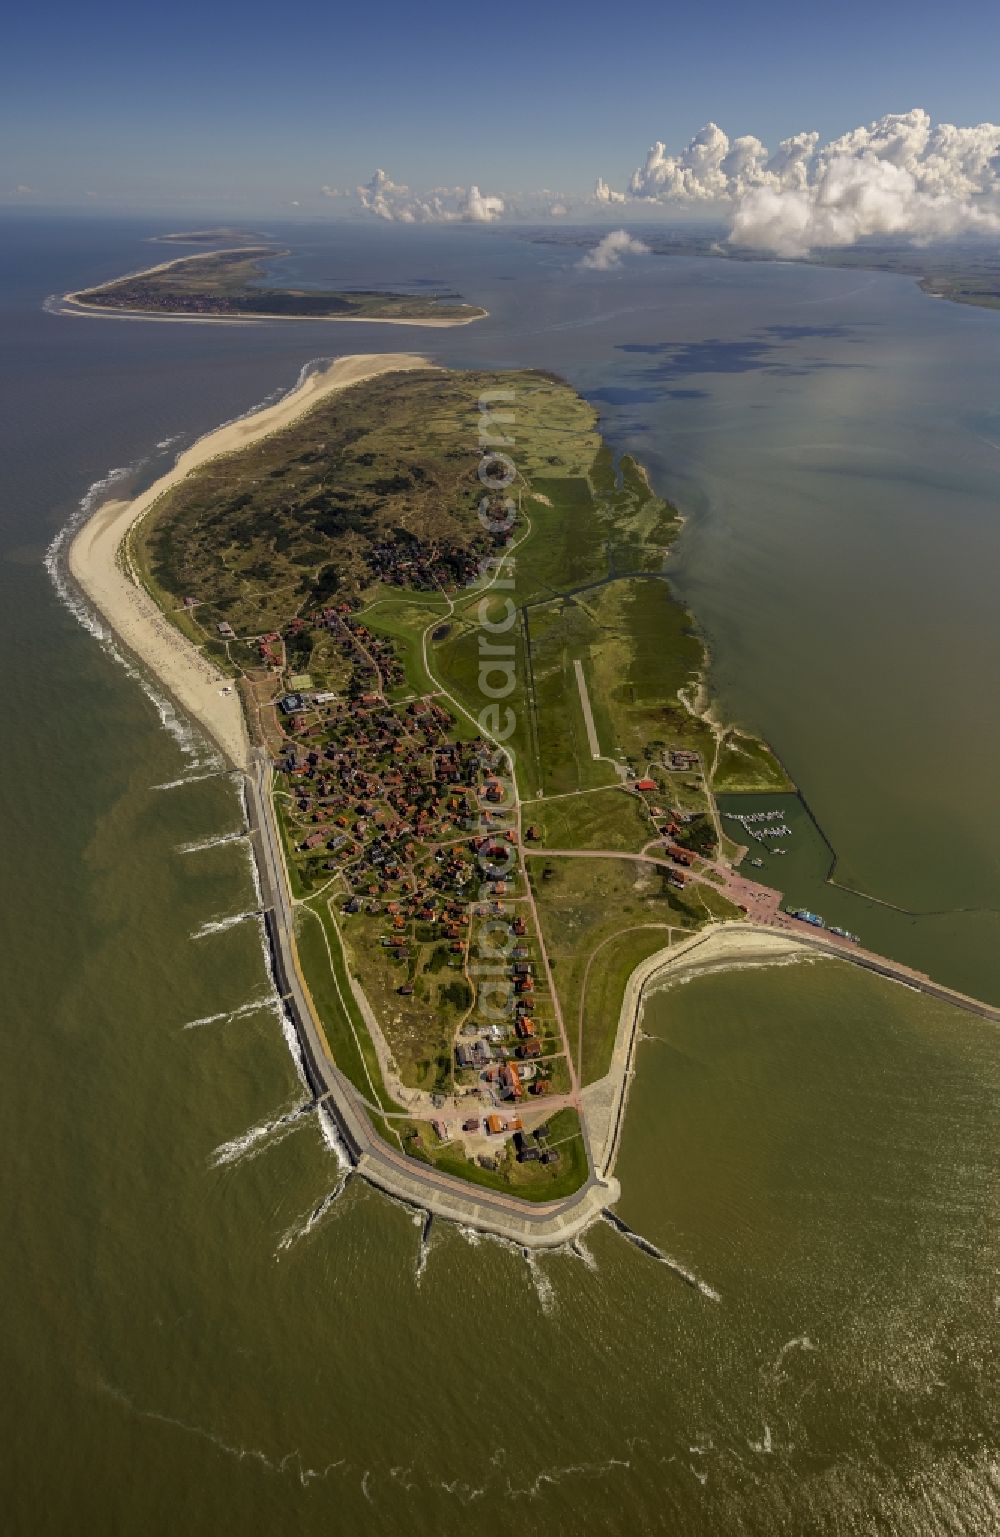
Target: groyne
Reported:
[(533, 1226)]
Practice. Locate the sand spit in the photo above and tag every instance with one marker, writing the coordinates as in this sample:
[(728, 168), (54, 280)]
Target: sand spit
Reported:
[(70, 305), (75, 303), (99, 560)]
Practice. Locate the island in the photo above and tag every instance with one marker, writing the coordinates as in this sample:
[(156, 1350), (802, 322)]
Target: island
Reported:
[(227, 285), (429, 616), (220, 235)]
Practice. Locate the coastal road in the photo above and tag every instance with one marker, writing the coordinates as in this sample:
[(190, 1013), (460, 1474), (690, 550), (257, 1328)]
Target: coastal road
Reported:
[(762, 905), (281, 924), (542, 1226)]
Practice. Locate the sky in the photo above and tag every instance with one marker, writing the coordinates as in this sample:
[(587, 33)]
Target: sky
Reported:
[(246, 109)]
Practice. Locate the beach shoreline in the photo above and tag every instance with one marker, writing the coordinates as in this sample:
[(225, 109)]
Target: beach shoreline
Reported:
[(718, 947), (98, 559), (75, 302), (728, 945), (71, 305), (100, 563)]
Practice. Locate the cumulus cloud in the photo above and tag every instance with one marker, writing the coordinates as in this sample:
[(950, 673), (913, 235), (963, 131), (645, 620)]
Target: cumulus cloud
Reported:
[(395, 202), (476, 206), (901, 175), (608, 253), (605, 194)]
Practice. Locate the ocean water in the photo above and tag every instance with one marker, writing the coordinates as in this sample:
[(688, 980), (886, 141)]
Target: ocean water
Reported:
[(206, 1331)]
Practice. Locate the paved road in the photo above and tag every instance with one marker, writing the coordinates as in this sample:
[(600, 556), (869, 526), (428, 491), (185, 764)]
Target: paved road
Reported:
[(529, 895), (762, 905), (537, 1225)]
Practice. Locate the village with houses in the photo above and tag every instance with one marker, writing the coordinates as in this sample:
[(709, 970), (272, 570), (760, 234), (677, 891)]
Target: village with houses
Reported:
[(384, 805), (389, 818), (467, 939), (387, 812)]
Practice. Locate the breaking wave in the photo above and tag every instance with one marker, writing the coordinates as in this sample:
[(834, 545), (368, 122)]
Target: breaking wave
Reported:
[(426, 1221), (307, 1225), (765, 1445), (290, 1462), (334, 1141), (258, 890), (579, 1248), (800, 1342), (189, 739), (219, 925), (288, 1031), (692, 971), (544, 1290), (216, 841), (265, 1133), (273, 396), (191, 742), (255, 1006), (213, 771)]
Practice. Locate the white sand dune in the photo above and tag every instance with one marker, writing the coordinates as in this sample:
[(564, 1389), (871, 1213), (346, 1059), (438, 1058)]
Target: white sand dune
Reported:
[(99, 563)]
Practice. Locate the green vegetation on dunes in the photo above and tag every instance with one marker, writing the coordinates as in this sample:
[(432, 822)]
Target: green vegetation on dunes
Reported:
[(597, 819), (421, 1025), (747, 764), (228, 283), (353, 536), (351, 1049)]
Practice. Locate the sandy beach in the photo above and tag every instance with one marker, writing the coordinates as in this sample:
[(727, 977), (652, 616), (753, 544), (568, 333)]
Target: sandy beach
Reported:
[(100, 565), (75, 303), (176, 261), (70, 305)]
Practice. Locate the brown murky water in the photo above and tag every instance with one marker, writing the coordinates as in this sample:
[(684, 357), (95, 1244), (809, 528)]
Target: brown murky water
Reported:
[(199, 1339)]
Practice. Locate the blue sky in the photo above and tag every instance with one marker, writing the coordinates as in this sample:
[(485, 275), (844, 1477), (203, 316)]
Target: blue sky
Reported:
[(255, 107)]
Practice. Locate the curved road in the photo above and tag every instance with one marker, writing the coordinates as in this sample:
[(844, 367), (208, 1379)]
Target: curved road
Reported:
[(535, 1226)]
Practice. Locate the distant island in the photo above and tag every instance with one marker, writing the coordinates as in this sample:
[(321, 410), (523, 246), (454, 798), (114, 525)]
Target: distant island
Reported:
[(226, 285), (218, 236)]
